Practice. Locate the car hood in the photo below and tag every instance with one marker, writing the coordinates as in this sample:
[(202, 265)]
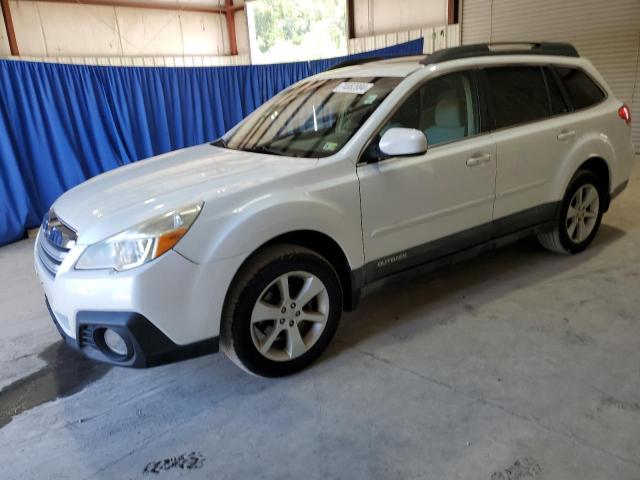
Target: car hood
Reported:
[(117, 200)]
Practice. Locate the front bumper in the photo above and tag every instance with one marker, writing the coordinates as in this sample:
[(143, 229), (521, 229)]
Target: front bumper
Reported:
[(167, 309), (146, 345)]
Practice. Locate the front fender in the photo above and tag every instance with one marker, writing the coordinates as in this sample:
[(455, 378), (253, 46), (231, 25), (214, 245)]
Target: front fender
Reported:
[(246, 227)]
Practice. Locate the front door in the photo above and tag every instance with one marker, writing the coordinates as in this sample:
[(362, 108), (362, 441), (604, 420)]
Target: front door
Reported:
[(416, 209)]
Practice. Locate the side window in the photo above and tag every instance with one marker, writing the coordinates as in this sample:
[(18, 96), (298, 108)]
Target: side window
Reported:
[(558, 105), (443, 108), (519, 95), (583, 91)]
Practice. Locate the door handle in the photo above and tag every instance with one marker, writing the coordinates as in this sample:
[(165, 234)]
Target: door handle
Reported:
[(478, 159), (566, 135)]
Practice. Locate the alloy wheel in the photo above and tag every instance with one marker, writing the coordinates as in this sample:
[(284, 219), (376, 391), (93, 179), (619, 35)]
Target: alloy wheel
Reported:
[(582, 213), (289, 316)]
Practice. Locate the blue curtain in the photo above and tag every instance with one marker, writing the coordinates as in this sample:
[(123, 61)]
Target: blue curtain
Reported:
[(62, 124)]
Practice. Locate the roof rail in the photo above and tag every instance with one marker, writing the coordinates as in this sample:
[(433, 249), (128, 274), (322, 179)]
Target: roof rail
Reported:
[(355, 61), (360, 61), (501, 48)]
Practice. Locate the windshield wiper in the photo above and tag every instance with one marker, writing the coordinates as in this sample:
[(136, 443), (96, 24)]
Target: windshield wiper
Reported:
[(264, 149)]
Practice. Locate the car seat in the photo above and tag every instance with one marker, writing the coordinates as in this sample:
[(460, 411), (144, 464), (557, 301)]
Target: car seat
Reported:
[(448, 123)]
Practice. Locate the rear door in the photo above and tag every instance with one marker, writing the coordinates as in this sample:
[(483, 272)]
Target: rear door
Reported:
[(532, 136)]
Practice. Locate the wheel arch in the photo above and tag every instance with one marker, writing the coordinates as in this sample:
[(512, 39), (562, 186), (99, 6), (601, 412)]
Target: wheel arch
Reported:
[(591, 151), (601, 169), (327, 247)]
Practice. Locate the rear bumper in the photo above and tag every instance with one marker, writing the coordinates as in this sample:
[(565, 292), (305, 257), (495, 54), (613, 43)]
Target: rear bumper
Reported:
[(147, 346)]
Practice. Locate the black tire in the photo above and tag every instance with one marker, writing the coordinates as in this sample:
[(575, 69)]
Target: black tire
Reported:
[(258, 273), (559, 240)]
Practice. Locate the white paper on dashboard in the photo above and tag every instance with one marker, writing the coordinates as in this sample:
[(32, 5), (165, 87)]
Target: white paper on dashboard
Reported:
[(359, 88)]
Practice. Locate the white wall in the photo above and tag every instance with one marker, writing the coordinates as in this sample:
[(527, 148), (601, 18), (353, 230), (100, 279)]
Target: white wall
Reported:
[(375, 17), (103, 34), (65, 29)]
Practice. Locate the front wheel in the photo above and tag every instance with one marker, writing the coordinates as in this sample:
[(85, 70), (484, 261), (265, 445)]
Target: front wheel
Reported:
[(580, 215), (281, 312)]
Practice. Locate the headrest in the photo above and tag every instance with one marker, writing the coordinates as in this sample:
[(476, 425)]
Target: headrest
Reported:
[(448, 113)]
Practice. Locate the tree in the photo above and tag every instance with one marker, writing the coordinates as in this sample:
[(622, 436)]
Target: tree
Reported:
[(290, 20)]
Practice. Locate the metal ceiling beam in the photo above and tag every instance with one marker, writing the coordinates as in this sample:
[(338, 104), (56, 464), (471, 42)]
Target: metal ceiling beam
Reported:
[(8, 24), (202, 8)]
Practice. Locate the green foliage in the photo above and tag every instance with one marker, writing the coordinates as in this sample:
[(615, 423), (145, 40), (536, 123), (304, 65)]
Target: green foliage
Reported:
[(291, 20)]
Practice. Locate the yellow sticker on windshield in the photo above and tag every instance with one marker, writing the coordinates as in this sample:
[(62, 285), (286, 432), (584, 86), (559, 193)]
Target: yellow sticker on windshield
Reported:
[(329, 146)]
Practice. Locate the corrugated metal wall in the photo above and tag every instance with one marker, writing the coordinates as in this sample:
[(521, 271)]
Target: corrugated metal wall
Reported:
[(375, 17), (606, 32), (435, 38)]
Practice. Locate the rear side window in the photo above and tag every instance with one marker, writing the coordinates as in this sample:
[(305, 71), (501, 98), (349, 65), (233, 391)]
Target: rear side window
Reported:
[(582, 91), (519, 95)]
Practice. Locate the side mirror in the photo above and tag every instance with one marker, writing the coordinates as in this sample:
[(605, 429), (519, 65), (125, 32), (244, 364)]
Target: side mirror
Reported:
[(403, 141)]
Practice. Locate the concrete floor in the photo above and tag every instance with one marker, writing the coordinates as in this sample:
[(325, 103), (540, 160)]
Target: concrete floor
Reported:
[(517, 365)]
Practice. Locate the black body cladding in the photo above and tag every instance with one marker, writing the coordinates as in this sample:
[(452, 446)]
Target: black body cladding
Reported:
[(146, 344), (460, 246)]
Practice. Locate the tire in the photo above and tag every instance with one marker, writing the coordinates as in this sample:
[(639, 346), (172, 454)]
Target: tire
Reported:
[(270, 347), (573, 233)]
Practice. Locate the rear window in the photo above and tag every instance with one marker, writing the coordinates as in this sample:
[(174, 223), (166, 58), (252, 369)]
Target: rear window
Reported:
[(519, 95), (582, 91)]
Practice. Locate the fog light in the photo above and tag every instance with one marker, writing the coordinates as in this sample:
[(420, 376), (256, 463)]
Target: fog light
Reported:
[(115, 342)]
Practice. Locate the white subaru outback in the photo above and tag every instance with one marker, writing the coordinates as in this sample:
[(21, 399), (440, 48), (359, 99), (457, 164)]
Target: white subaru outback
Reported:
[(260, 240)]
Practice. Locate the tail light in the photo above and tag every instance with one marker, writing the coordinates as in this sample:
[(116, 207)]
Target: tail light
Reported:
[(624, 113)]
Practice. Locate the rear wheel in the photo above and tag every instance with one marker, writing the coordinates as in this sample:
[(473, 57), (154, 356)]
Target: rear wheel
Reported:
[(281, 312), (580, 215)]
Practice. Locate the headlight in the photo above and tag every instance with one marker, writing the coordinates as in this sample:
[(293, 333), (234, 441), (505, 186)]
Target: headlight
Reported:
[(139, 244)]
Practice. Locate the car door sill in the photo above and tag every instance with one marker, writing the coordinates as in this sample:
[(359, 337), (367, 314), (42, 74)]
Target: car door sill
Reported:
[(424, 259)]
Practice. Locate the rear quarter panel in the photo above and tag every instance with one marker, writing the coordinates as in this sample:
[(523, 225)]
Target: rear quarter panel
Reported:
[(600, 132)]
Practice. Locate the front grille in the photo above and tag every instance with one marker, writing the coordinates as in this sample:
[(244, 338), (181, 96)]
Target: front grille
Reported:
[(54, 242), (50, 256)]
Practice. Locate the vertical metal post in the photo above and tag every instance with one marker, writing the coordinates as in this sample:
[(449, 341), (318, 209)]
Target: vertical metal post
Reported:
[(8, 24), (451, 12), (351, 19), (231, 27)]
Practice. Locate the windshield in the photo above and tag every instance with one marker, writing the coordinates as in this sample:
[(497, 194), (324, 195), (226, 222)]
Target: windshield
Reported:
[(312, 119)]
